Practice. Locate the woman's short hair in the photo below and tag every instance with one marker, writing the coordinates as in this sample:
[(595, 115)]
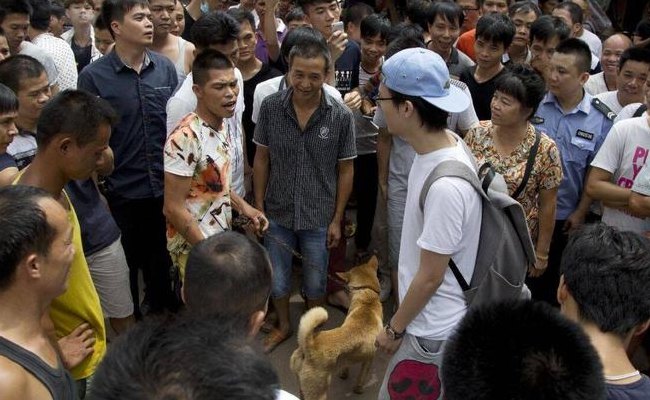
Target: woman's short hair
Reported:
[(524, 84)]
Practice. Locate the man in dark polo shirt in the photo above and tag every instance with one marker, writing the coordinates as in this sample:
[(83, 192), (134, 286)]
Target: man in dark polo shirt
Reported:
[(137, 83), (302, 175)]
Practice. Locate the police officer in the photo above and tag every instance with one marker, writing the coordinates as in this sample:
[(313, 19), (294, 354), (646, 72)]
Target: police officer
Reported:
[(578, 123)]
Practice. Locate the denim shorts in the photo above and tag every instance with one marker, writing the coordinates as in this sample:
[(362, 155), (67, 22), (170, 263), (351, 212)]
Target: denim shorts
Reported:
[(312, 245)]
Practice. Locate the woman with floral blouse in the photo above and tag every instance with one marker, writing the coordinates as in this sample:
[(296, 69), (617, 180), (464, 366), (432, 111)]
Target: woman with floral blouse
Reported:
[(506, 142)]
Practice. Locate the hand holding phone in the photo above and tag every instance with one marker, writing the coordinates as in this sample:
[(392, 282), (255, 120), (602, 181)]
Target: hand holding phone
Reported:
[(337, 26)]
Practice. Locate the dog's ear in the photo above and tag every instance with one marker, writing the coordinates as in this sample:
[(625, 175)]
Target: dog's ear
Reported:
[(374, 262), (344, 276)]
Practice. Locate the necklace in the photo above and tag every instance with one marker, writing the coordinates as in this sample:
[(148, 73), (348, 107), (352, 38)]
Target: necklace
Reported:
[(615, 378)]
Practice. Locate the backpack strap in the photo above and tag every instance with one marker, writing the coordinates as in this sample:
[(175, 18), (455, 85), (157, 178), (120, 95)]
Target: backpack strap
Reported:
[(529, 165), (453, 169), (459, 277), (639, 111)]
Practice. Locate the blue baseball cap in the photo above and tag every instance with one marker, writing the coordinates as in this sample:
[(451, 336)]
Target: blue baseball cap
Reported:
[(423, 73)]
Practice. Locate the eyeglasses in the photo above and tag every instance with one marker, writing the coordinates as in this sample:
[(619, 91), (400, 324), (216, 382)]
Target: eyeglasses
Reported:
[(378, 99)]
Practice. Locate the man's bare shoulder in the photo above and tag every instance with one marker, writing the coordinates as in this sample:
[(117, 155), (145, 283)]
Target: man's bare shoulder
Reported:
[(14, 380)]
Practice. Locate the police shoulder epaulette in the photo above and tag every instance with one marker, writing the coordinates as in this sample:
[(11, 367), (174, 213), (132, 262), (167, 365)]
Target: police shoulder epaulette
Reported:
[(603, 108), (536, 120), (459, 84)]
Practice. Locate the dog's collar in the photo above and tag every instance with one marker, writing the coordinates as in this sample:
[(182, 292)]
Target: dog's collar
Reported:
[(350, 288)]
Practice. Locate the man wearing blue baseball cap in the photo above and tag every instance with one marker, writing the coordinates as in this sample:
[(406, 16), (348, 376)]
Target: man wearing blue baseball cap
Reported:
[(415, 96)]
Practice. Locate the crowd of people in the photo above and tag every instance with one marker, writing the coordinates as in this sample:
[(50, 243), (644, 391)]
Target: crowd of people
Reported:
[(183, 159)]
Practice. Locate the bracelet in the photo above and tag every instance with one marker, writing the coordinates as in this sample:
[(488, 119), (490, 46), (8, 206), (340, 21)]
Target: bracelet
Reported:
[(543, 258), (392, 333)]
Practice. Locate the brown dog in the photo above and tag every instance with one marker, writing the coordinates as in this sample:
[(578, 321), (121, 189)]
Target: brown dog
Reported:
[(353, 342)]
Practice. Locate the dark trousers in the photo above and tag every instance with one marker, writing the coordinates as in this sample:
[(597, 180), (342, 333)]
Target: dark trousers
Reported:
[(365, 191), (145, 245), (544, 288)]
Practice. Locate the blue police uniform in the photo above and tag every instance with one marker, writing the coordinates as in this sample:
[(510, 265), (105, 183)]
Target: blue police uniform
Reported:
[(578, 134)]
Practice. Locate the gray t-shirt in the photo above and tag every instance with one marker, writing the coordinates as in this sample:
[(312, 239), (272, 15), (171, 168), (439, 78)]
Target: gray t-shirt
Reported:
[(365, 130)]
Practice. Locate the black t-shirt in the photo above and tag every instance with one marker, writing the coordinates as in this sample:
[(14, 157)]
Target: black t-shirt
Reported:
[(264, 74), (481, 92), (81, 55), (98, 228), (346, 68), (189, 21)]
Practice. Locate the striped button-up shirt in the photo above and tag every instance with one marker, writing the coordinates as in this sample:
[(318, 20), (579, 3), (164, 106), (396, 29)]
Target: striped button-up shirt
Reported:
[(301, 189)]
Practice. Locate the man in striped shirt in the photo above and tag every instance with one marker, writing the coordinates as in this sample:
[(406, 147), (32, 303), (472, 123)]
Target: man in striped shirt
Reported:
[(303, 173)]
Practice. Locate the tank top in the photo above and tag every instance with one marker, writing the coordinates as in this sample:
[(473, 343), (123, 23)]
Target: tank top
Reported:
[(180, 61), (57, 380)]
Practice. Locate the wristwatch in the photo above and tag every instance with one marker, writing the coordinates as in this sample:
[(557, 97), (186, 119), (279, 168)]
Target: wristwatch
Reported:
[(392, 333)]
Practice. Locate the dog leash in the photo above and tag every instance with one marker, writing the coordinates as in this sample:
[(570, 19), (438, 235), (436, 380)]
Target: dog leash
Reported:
[(241, 221)]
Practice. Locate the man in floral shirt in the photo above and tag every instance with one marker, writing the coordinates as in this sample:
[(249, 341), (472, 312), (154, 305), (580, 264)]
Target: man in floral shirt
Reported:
[(198, 196)]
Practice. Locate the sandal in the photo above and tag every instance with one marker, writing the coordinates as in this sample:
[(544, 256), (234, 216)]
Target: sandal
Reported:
[(267, 327), (270, 322), (337, 306), (274, 339)]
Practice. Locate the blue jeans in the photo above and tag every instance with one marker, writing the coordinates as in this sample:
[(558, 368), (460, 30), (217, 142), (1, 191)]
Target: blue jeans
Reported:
[(312, 245)]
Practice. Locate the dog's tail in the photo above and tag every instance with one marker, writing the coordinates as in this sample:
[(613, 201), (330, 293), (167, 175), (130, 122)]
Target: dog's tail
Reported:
[(310, 321)]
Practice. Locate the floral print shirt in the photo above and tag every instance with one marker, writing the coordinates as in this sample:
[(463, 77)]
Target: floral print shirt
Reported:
[(196, 150), (546, 172)]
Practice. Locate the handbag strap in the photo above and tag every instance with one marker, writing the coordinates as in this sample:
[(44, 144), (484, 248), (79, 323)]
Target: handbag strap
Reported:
[(529, 165)]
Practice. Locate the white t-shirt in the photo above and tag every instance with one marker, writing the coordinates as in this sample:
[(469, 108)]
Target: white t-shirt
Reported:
[(628, 112), (596, 84), (282, 395), (623, 154), (63, 57), (452, 212), (611, 100), (183, 102), (32, 50), (595, 45), (268, 87)]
